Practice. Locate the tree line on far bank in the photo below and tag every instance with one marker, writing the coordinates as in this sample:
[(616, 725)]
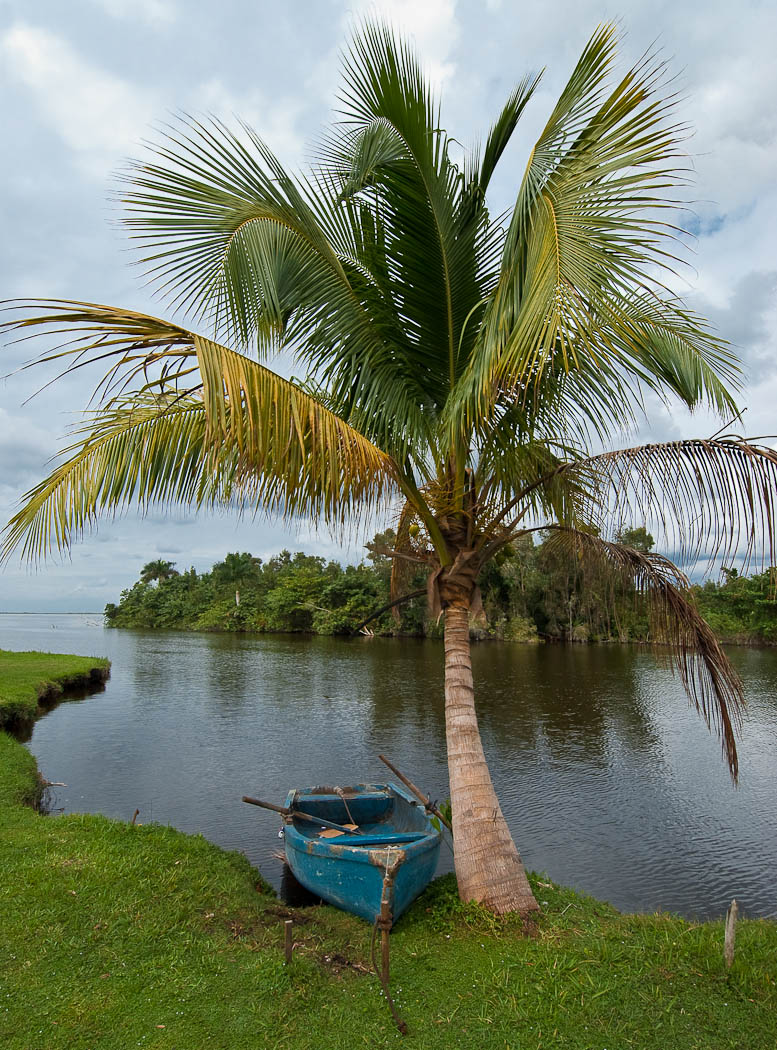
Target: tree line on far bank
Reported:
[(530, 592)]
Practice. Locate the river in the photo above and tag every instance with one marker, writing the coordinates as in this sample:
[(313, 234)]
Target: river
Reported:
[(609, 781)]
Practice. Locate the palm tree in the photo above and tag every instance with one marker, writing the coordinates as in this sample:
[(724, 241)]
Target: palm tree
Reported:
[(235, 569), (157, 570), (461, 367)]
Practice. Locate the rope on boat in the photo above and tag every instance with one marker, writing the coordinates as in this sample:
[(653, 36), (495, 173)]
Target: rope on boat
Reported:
[(341, 794)]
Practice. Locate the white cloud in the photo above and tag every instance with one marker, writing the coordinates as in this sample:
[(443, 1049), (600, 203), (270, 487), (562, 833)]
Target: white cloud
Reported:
[(98, 115), (274, 119), (24, 449), (154, 12), (431, 24), (749, 321), (735, 146)]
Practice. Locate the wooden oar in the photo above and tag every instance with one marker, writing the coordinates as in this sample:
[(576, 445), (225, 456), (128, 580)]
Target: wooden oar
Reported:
[(428, 804), (286, 812)]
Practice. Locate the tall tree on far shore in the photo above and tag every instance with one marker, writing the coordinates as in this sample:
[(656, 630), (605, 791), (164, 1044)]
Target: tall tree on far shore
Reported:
[(153, 571), (461, 367)]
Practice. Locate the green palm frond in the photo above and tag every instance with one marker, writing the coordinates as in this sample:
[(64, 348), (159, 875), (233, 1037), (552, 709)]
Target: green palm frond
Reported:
[(580, 280), (670, 349), (502, 130), (395, 153), (712, 684), (547, 491), (190, 201), (273, 261)]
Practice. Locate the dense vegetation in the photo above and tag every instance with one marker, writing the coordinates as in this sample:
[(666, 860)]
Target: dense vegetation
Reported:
[(530, 592), (741, 609), (118, 935)]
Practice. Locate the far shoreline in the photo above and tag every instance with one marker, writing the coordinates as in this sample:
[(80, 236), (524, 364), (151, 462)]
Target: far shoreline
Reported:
[(475, 637)]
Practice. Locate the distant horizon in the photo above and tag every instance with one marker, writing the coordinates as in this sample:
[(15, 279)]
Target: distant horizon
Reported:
[(51, 612)]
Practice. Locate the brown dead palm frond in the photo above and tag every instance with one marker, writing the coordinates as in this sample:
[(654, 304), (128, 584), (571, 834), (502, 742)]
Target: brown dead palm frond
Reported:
[(714, 495), (401, 568), (713, 686)]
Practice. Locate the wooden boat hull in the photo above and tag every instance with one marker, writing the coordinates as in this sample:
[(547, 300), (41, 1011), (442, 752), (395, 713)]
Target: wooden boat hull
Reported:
[(349, 870)]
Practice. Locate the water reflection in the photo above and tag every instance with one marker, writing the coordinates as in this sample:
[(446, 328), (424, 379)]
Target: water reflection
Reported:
[(609, 782)]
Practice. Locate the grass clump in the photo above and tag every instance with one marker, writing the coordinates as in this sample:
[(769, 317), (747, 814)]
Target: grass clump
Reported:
[(117, 936)]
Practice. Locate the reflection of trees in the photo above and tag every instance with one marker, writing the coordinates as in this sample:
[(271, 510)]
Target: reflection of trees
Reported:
[(569, 707), (570, 699), (566, 700), (402, 677), (405, 709), (231, 670)]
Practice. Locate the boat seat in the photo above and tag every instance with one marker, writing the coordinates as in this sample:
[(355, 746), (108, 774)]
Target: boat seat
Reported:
[(303, 797), (388, 839)]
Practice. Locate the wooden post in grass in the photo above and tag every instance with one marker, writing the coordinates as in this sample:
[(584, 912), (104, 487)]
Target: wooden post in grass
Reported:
[(288, 943), (731, 930)]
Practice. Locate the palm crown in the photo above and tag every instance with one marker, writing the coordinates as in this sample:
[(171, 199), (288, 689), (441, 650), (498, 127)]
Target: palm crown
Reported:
[(464, 363)]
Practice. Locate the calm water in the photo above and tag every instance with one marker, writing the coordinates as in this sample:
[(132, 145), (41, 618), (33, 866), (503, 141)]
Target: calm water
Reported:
[(609, 782)]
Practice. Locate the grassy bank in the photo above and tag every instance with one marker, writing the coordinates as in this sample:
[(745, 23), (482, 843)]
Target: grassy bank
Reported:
[(117, 936), (31, 682)]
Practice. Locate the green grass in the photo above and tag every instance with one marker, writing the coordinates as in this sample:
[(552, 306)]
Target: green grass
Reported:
[(32, 682), (116, 936)]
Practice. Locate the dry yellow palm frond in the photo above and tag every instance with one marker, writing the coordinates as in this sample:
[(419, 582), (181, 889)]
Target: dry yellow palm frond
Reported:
[(309, 461), (207, 426), (147, 450)]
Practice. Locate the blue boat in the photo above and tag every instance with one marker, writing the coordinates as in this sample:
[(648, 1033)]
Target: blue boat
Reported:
[(376, 868)]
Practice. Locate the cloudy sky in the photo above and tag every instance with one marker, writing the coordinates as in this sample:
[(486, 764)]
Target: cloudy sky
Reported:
[(83, 82)]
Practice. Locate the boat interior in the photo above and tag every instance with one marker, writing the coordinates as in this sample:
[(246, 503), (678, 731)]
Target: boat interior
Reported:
[(369, 815)]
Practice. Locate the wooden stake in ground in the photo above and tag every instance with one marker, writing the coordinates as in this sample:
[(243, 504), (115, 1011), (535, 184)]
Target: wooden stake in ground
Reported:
[(731, 929)]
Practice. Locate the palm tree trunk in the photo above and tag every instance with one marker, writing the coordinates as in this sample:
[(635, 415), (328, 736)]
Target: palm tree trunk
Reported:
[(488, 867)]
